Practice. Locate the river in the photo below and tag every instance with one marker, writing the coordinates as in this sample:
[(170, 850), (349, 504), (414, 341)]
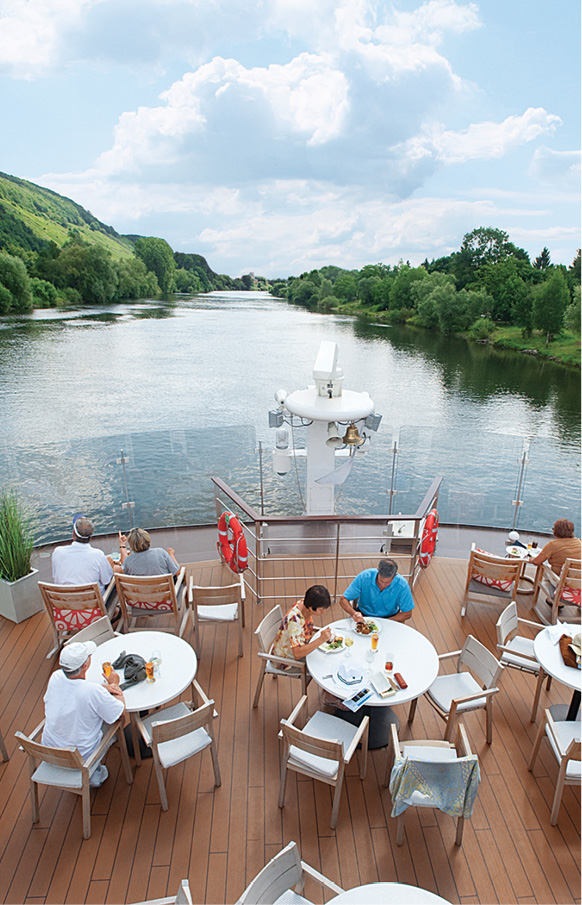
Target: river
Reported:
[(183, 389)]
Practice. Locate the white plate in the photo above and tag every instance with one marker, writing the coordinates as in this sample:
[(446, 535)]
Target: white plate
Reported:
[(367, 619), (332, 650)]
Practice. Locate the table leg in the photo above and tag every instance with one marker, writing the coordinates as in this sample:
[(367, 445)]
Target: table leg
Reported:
[(574, 706)]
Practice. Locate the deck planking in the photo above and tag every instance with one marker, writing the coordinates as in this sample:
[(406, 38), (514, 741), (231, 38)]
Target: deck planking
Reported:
[(221, 838)]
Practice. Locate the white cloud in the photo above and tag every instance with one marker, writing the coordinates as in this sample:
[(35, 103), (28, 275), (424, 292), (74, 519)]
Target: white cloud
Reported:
[(31, 32), (480, 140), (560, 169)]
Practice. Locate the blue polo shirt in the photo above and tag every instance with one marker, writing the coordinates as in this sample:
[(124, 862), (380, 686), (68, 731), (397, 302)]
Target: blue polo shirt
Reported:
[(396, 598)]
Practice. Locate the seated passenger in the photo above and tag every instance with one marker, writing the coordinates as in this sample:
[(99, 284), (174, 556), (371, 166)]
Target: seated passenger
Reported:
[(79, 562), (379, 592), (143, 559), (563, 546), (76, 709), (295, 637)]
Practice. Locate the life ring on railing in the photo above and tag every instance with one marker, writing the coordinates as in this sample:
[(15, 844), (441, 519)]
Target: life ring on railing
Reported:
[(233, 551), (429, 538)]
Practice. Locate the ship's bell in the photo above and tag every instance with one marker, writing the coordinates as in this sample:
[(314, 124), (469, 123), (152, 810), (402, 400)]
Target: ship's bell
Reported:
[(352, 437)]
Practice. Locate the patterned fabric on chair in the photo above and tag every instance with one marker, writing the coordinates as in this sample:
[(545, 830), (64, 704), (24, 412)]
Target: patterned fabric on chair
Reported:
[(71, 608), (151, 595)]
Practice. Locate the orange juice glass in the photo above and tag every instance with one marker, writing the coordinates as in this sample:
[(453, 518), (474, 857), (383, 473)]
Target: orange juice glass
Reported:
[(374, 637)]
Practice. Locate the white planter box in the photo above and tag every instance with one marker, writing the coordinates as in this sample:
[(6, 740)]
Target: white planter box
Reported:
[(20, 599)]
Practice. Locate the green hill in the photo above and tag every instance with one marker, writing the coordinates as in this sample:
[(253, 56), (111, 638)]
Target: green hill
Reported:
[(32, 216)]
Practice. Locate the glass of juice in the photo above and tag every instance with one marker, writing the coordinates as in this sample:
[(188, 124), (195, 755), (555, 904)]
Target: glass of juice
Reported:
[(150, 672), (374, 639), (107, 668)]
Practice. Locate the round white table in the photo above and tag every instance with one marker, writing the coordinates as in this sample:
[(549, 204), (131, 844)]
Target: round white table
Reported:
[(414, 657), (388, 893), (175, 673), (514, 551), (550, 659)]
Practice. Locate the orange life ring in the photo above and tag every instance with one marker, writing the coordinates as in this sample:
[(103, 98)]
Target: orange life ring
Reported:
[(429, 538), (233, 551)]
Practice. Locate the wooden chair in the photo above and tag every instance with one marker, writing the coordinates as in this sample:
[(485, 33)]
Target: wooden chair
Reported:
[(564, 739), (490, 576), (563, 590), (321, 749), (66, 769), (71, 608), (517, 651), (282, 879), (417, 783), (182, 897), (276, 666), (452, 695), (220, 604), (177, 733), (99, 631), (151, 595), (3, 749)]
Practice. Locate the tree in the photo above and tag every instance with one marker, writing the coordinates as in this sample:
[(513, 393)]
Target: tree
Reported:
[(401, 289), (484, 245), (16, 284), (44, 294), (135, 281), (89, 270), (345, 287), (421, 293), (572, 315), (550, 301), (247, 280), (452, 308), (542, 262), (159, 258)]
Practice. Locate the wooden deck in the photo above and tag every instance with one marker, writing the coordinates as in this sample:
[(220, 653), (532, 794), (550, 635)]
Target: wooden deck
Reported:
[(221, 839)]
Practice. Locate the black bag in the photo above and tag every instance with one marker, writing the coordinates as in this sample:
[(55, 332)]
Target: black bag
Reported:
[(133, 666)]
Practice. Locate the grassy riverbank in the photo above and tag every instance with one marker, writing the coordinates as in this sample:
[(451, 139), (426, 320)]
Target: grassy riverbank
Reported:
[(563, 349)]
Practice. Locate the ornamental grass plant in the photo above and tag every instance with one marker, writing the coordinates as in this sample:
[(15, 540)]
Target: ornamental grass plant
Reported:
[(16, 538)]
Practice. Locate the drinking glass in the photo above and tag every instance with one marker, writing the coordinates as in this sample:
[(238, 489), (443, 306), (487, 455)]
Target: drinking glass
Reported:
[(348, 643), (389, 665), (149, 667), (156, 659), (374, 639), (107, 669)]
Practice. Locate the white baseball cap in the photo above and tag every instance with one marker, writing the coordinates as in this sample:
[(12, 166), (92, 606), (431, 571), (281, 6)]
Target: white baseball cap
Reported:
[(74, 655)]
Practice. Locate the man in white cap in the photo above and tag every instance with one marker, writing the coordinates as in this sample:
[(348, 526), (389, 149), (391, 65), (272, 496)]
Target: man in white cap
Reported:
[(75, 709), (79, 562)]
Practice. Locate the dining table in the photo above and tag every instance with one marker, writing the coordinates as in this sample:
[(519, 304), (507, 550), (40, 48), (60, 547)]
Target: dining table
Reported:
[(387, 894), (547, 652), (174, 670), (525, 554), (413, 657)]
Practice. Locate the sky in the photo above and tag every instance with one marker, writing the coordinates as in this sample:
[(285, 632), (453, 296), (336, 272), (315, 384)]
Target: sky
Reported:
[(278, 136)]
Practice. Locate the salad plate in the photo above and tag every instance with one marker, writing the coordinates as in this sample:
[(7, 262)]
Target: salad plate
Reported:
[(373, 625), (332, 647)]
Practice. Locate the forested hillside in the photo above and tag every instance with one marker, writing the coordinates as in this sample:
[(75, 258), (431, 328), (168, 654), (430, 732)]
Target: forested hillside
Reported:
[(54, 252)]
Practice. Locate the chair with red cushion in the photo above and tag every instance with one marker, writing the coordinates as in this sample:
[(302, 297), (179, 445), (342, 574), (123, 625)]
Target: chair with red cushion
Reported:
[(490, 576), (552, 592), (71, 608), (151, 595)]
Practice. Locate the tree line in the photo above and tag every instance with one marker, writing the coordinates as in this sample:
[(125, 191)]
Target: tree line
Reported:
[(489, 281), (82, 273)]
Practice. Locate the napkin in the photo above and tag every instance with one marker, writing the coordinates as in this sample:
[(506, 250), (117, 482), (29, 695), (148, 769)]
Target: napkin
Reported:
[(350, 674), (555, 632)]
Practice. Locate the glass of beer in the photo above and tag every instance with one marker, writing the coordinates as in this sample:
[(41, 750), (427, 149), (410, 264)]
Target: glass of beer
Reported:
[(107, 668), (374, 639), (150, 672)]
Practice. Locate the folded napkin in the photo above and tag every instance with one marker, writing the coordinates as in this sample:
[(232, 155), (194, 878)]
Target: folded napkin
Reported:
[(350, 674), (555, 632)]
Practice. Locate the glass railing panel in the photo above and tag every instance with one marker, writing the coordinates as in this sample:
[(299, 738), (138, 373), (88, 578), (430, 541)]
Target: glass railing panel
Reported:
[(551, 487)]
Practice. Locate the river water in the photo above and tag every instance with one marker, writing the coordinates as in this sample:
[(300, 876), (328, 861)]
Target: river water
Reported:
[(181, 391)]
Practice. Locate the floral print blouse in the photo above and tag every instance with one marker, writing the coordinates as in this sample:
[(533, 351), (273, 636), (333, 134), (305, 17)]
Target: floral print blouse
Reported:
[(295, 630)]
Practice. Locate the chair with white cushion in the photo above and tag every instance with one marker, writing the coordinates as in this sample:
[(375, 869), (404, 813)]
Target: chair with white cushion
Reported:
[(281, 881), (177, 733), (321, 749), (517, 651), (458, 693), (490, 576), (554, 592), (219, 604), (276, 666), (564, 739), (433, 774), (66, 769)]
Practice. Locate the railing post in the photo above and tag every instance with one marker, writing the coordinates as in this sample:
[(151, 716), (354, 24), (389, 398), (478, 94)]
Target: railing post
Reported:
[(337, 544), (523, 462), (392, 492)]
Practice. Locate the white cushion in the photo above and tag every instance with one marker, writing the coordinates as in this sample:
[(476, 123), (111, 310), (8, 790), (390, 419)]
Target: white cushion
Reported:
[(567, 731), (459, 685), (519, 646), (177, 749), (291, 898), (53, 775), (429, 753), (281, 670), (226, 612), (323, 725)]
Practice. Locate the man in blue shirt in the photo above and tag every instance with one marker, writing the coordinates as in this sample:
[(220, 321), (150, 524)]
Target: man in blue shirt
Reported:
[(379, 592)]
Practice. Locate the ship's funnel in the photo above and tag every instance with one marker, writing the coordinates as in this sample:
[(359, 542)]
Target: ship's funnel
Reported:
[(334, 438), (352, 437)]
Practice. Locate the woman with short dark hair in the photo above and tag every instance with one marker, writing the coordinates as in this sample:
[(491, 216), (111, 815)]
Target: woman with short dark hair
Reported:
[(295, 637)]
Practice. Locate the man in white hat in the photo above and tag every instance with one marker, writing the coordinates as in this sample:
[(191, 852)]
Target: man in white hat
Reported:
[(75, 709), (79, 562)]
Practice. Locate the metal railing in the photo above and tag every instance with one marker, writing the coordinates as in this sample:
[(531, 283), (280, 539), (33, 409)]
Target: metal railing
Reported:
[(319, 548)]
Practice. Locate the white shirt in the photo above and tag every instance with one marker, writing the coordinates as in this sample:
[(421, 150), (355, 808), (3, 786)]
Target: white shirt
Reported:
[(81, 564), (75, 711)]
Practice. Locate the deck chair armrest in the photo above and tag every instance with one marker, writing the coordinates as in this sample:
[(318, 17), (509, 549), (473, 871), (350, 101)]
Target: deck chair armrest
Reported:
[(200, 692), (452, 653), (462, 744), (109, 590), (551, 729), (356, 739), (179, 579), (243, 592), (396, 750), (312, 872), (520, 654), (37, 731), (285, 661), (536, 625), (302, 703), (103, 745), (486, 693)]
